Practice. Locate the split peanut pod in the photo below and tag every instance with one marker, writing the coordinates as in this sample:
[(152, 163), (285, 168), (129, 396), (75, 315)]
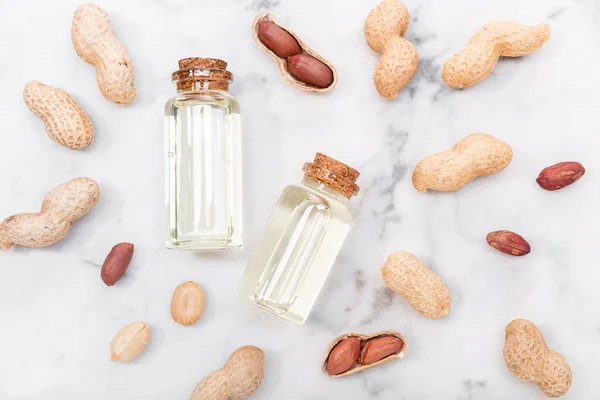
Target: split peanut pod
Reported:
[(406, 275), (299, 64), (64, 120), (95, 42), (354, 352), (476, 62), (130, 341), (61, 207), (527, 356), (384, 28), (187, 304), (238, 379), (475, 155)]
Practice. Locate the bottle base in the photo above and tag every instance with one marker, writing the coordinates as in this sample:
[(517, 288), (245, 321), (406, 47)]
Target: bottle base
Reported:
[(275, 310), (214, 244)]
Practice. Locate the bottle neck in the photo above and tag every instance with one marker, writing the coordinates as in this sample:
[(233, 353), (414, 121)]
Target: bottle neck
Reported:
[(189, 85), (321, 187)]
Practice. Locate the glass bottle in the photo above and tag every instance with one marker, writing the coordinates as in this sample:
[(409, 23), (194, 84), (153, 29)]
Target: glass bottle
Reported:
[(203, 158), (302, 240)]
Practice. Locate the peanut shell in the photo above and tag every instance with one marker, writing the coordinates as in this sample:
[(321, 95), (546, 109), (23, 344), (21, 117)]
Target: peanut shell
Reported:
[(396, 67), (95, 42), (390, 18), (238, 379), (478, 59), (528, 357), (475, 155), (61, 207), (359, 367), (384, 29), (283, 63), (406, 275), (64, 120)]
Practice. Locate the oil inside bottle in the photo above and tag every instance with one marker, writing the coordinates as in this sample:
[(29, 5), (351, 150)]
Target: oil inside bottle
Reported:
[(297, 250), (203, 165)]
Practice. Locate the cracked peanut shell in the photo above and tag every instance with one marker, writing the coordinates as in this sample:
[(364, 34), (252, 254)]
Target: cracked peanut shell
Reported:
[(282, 63), (356, 366)]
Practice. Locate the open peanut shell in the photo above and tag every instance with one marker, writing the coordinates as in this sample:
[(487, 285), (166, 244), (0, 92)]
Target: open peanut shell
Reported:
[(356, 367), (282, 63)]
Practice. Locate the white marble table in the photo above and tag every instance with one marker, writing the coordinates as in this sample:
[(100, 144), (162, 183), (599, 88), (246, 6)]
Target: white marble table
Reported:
[(58, 317)]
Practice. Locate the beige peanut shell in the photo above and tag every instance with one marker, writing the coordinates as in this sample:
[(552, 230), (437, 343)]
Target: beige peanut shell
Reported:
[(528, 357), (282, 63), (358, 367), (64, 120), (95, 42), (61, 207), (238, 379), (477, 60), (406, 275), (384, 29), (475, 155)]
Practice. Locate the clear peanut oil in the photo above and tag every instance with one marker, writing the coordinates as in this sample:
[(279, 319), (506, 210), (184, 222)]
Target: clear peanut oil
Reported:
[(298, 248), (203, 161)]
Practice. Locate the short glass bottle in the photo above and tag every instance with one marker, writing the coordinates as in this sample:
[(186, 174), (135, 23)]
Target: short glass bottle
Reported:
[(301, 241), (203, 158)]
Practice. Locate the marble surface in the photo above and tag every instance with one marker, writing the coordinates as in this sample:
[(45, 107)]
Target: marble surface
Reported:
[(58, 317)]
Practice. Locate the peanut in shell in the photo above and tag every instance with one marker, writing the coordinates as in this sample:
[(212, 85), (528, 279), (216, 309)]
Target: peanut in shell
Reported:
[(384, 29), (478, 59), (62, 206), (406, 275), (364, 339), (65, 122), (239, 378), (329, 76), (475, 155), (528, 357)]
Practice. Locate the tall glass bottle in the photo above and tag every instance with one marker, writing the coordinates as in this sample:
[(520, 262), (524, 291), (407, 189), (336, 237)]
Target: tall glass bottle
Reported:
[(203, 158), (302, 240)]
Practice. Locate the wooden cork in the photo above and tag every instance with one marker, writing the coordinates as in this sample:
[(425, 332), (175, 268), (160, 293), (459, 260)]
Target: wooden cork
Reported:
[(333, 174), (202, 73), (202, 63)]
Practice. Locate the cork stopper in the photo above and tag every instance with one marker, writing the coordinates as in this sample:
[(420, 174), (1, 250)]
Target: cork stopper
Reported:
[(333, 174), (196, 73)]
